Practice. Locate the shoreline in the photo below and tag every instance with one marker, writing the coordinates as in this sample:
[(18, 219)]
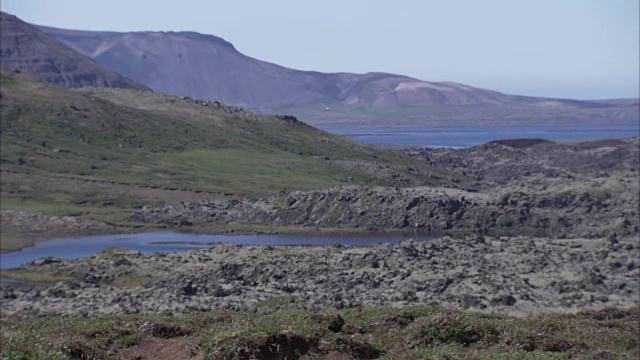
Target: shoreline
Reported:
[(249, 229)]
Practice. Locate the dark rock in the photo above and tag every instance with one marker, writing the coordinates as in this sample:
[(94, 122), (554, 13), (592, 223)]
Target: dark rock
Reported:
[(163, 331), (506, 300), (280, 346), (331, 322), (121, 262), (401, 319), (189, 290), (554, 345), (45, 261), (413, 203), (8, 294)]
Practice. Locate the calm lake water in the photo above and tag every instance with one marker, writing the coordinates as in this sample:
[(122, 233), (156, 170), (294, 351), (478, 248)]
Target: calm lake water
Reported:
[(467, 136), (78, 247)]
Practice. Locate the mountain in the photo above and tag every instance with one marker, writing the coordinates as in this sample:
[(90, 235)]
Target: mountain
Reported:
[(208, 67), (29, 50), (200, 66)]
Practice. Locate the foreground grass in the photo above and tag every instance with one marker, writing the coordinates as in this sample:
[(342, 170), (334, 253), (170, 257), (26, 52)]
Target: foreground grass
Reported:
[(409, 333)]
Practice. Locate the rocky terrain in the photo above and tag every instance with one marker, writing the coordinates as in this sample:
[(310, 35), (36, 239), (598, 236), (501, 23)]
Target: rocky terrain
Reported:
[(524, 226), (535, 187), (538, 163), (517, 275), (535, 225)]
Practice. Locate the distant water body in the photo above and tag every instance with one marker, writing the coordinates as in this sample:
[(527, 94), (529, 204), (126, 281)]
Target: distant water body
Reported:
[(467, 136), (170, 241)]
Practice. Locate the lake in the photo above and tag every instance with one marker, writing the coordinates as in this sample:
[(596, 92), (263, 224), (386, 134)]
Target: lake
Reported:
[(77, 247), (467, 136)]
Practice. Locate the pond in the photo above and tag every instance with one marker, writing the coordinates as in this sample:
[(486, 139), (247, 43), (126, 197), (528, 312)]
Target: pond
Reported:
[(170, 241)]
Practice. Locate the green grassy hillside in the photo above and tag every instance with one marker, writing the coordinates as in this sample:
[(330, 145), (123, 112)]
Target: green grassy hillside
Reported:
[(100, 152)]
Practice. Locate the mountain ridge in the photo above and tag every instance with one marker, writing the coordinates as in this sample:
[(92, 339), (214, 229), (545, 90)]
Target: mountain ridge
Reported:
[(376, 89), (208, 67), (27, 49)]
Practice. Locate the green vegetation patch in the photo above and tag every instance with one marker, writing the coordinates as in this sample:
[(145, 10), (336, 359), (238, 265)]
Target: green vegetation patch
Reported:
[(34, 276), (99, 153), (378, 333)]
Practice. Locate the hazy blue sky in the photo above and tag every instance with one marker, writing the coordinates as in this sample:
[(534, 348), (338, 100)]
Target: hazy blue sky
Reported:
[(560, 48)]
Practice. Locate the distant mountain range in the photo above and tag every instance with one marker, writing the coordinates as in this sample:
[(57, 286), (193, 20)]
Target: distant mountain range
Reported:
[(27, 49), (208, 67)]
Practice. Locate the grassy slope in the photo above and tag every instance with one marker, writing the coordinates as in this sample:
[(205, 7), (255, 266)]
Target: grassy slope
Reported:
[(55, 141), (409, 333)]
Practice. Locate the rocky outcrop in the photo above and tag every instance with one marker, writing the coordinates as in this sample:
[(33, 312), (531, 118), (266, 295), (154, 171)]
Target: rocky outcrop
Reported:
[(536, 163), (574, 212), (513, 275), (531, 187)]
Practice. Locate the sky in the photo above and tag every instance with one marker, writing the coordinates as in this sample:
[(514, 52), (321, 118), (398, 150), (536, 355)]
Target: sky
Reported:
[(580, 49)]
